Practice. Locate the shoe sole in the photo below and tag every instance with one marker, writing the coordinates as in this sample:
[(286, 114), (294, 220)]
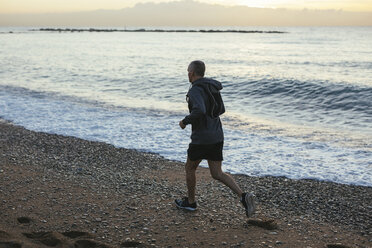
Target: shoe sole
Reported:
[(251, 206), (186, 208)]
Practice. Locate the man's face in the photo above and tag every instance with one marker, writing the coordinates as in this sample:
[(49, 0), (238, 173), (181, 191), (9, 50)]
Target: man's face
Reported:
[(190, 73)]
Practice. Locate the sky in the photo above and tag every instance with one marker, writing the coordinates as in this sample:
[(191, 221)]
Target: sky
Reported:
[(118, 13), (53, 6)]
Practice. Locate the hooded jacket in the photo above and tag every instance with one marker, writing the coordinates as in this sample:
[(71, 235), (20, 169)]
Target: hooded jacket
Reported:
[(205, 106)]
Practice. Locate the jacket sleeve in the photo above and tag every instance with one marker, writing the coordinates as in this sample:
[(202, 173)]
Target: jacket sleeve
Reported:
[(197, 109)]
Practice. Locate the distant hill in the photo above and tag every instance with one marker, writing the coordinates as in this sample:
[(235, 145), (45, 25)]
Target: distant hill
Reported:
[(191, 13)]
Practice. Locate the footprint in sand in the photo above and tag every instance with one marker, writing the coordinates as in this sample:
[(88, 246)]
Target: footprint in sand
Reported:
[(266, 224), (83, 243), (76, 234), (337, 246), (10, 244), (59, 239), (131, 244), (89, 244), (46, 238), (24, 220), (4, 236)]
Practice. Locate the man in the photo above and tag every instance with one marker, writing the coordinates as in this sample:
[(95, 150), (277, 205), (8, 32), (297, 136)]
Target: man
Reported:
[(205, 106)]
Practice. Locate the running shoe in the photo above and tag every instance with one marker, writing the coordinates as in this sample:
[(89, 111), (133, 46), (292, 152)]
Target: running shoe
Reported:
[(248, 202), (184, 204)]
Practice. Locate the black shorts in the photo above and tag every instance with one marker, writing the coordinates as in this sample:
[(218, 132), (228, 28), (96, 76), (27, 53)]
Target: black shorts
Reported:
[(210, 152)]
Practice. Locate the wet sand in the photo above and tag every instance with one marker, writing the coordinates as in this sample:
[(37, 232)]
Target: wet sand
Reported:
[(58, 191)]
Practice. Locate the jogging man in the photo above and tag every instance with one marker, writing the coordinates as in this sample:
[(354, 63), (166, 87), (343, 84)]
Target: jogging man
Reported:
[(205, 106)]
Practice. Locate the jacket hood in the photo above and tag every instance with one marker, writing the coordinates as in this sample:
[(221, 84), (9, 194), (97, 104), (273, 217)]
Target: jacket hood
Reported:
[(217, 86), (215, 106)]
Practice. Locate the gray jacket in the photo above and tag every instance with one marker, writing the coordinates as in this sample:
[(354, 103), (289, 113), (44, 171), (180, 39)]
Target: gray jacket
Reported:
[(205, 106)]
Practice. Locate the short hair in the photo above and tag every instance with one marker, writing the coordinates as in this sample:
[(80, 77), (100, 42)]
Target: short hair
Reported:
[(198, 67)]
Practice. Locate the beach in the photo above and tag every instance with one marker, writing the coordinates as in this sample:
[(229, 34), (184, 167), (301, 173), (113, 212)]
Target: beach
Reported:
[(67, 192)]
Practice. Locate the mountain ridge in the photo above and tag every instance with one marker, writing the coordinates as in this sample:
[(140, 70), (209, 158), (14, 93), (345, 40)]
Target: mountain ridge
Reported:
[(191, 13)]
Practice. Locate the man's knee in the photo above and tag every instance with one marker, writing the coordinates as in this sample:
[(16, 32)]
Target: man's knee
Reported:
[(191, 165)]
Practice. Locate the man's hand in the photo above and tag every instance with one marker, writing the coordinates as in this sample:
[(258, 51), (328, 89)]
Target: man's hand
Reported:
[(182, 125)]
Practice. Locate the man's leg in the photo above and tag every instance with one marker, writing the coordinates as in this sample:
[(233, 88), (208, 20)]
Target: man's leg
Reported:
[(247, 199), (218, 174), (190, 169)]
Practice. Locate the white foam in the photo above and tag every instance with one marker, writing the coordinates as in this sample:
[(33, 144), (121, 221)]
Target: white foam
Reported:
[(245, 153)]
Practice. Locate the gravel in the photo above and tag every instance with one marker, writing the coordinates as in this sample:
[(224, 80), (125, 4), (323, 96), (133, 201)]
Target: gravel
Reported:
[(136, 188)]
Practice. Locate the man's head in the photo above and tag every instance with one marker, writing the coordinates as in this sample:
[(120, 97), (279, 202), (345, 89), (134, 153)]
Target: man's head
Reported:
[(196, 70)]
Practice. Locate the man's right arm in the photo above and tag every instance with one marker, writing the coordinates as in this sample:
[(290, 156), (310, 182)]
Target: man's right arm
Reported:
[(197, 107)]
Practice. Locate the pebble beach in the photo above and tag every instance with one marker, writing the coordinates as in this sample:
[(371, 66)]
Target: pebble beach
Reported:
[(59, 191)]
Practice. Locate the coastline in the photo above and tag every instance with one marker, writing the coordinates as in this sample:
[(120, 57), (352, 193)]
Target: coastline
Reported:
[(85, 193)]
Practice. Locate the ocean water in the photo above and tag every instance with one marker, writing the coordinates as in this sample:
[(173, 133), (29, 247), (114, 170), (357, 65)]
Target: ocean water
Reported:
[(299, 104)]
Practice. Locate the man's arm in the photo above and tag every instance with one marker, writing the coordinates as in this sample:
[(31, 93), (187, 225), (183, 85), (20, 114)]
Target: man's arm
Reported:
[(197, 108)]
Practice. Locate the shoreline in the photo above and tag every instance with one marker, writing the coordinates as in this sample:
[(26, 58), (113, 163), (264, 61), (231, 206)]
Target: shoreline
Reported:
[(115, 196)]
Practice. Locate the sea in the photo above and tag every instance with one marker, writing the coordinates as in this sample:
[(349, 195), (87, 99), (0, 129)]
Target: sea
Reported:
[(298, 103)]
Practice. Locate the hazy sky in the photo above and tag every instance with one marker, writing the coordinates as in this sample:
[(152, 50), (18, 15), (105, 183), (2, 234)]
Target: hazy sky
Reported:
[(48, 6)]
